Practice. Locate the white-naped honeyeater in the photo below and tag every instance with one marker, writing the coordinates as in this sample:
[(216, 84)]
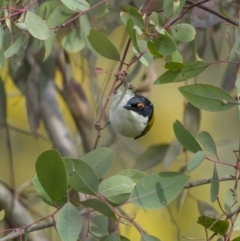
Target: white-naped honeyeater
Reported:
[(133, 116)]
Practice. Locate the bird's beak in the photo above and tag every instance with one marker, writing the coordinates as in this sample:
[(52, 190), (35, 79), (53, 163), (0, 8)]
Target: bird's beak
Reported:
[(127, 106)]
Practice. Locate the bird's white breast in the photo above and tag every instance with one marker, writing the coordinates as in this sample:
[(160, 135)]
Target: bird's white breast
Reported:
[(126, 122)]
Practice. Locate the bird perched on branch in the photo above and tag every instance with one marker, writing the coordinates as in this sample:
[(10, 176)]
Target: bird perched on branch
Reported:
[(131, 114)]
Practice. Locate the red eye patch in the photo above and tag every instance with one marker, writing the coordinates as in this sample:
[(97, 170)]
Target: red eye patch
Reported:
[(140, 105)]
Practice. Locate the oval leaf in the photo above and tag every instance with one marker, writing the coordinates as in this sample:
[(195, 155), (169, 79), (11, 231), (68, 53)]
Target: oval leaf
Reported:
[(158, 189), (214, 185), (36, 26), (207, 141), (113, 237), (208, 97), (103, 45), (185, 138), (184, 32), (51, 174), (99, 206), (14, 48), (135, 175), (132, 33), (100, 160), (217, 226), (76, 5), (115, 185), (81, 176), (196, 160), (69, 222), (190, 70), (165, 45), (99, 226)]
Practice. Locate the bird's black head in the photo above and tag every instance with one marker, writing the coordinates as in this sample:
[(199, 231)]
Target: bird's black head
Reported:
[(141, 105)]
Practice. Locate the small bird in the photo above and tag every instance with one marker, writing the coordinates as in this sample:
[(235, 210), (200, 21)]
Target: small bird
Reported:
[(133, 116)]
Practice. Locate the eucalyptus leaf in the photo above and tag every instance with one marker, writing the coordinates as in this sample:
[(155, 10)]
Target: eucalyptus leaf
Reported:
[(36, 26), (214, 185), (51, 174), (217, 226), (69, 222), (185, 138), (76, 5), (207, 141), (165, 44), (148, 237), (100, 160), (208, 97), (99, 226), (14, 48), (2, 58), (158, 189), (103, 45), (113, 237), (132, 33), (183, 32), (190, 70), (196, 160), (81, 176)]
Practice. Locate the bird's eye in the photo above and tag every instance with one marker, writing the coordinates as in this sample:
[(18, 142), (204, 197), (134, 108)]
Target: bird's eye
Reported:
[(140, 105)]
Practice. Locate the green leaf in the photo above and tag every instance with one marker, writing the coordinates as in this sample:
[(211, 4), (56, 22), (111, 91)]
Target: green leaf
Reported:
[(190, 70), (174, 57), (146, 58), (2, 59), (103, 45), (152, 48), (81, 176), (132, 12), (234, 49), (14, 48), (123, 238), (99, 226), (2, 215), (114, 186), (76, 5), (99, 206), (69, 222), (174, 66), (153, 156), (214, 185), (41, 192), (196, 160), (113, 237), (185, 138), (173, 7), (230, 201), (191, 119), (207, 210), (217, 226), (36, 26), (51, 174), (100, 160), (183, 32), (236, 239), (207, 141), (135, 175), (3, 104), (148, 237), (132, 33), (158, 189), (208, 97), (72, 42), (165, 44)]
